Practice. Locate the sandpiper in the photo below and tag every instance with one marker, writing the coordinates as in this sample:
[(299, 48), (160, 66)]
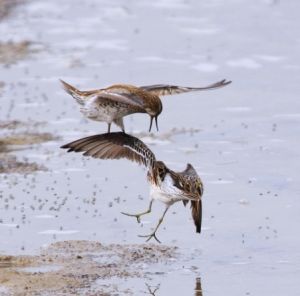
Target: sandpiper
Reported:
[(111, 104), (165, 185)]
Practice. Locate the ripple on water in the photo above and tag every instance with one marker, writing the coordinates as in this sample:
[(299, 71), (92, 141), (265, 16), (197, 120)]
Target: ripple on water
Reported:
[(221, 182), (59, 232), (237, 109), (270, 58), (200, 31), (206, 67), (10, 225), (288, 116), (40, 269), (44, 216), (247, 63)]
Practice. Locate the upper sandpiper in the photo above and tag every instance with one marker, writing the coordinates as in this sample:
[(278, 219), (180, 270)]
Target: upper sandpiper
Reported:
[(111, 104)]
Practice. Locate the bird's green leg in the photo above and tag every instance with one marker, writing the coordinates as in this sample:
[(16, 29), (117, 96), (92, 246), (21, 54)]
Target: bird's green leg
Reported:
[(153, 234), (138, 216)]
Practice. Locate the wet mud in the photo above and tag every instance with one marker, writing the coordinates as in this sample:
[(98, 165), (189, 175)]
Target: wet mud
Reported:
[(72, 267), (12, 52), (13, 139)]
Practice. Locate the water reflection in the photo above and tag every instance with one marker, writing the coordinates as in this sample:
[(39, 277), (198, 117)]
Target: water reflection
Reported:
[(152, 290), (198, 288)]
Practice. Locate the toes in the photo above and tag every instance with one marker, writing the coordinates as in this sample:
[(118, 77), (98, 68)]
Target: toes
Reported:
[(157, 239), (151, 236)]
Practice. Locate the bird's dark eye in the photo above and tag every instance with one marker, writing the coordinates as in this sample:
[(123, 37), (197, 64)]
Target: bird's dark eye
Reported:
[(161, 173)]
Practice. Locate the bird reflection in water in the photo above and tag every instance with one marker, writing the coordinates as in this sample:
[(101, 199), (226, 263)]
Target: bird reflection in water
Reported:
[(198, 289), (151, 290)]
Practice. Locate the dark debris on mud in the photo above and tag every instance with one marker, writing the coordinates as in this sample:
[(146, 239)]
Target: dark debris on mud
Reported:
[(80, 264)]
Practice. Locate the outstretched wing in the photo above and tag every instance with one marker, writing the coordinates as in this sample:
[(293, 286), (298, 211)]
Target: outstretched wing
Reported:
[(165, 89), (193, 184), (113, 146)]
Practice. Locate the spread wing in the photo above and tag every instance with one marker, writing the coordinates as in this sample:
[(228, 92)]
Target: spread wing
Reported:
[(120, 98), (165, 89), (113, 146), (192, 182)]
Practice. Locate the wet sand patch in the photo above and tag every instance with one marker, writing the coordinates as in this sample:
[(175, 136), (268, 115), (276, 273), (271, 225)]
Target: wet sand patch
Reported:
[(6, 6), (27, 138), (13, 124), (81, 264), (12, 141), (9, 164), (11, 52)]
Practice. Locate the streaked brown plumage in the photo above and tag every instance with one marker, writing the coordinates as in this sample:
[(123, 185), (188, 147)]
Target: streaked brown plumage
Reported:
[(111, 104), (165, 185)]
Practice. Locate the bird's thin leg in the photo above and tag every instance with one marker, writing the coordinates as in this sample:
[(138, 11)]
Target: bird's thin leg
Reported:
[(119, 122), (108, 128), (153, 234), (138, 216)]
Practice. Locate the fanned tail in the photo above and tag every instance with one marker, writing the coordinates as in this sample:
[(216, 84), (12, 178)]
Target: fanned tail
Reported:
[(74, 92)]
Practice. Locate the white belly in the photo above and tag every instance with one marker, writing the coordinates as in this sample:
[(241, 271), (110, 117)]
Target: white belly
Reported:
[(166, 192), (98, 115), (95, 109)]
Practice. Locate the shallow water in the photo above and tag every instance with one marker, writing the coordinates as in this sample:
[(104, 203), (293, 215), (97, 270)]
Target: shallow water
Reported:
[(246, 149)]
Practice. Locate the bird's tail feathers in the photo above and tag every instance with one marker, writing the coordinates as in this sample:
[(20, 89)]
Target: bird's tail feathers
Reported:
[(74, 92)]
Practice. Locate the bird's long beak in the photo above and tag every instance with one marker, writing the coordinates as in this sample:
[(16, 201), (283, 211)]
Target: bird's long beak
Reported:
[(156, 122), (151, 120)]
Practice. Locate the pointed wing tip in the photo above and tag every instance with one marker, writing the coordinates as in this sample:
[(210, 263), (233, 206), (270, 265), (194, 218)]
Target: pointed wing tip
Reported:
[(224, 82), (66, 86), (62, 82), (66, 146)]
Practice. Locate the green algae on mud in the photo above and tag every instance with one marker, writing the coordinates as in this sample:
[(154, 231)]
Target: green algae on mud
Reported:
[(78, 264)]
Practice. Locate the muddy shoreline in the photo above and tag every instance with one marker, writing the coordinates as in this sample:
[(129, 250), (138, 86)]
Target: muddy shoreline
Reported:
[(14, 138), (71, 267)]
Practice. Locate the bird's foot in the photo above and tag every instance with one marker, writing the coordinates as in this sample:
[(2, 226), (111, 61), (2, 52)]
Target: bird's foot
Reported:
[(151, 235), (137, 216)]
